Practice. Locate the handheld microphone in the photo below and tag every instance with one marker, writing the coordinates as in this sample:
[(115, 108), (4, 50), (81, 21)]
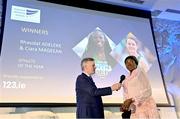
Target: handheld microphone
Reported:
[(122, 77)]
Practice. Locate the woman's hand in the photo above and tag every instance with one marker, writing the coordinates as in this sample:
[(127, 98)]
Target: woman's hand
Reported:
[(126, 105)]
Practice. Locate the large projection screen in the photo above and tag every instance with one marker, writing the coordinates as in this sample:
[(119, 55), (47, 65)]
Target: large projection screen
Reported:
[(43, 44)]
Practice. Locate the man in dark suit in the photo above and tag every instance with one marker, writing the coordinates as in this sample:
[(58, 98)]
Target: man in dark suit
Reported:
[(88, 96)]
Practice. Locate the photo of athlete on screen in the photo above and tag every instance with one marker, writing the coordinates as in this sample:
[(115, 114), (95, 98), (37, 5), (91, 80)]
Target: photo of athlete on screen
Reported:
[(99, 47), (131, 45)]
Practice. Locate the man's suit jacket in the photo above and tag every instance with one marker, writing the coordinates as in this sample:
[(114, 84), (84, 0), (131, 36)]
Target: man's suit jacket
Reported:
[(88, 96)]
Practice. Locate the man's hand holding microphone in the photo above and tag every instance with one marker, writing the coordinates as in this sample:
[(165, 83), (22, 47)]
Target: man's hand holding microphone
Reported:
[(117, 86)]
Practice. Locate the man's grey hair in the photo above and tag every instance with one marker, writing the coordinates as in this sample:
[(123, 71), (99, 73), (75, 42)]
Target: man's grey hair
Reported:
[(83, 61)]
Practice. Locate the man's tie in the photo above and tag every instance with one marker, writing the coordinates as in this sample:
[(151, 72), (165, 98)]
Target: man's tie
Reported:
[(91, 79)]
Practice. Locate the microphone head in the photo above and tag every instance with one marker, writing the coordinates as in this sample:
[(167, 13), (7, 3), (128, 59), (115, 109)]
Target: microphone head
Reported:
[(122, 78)]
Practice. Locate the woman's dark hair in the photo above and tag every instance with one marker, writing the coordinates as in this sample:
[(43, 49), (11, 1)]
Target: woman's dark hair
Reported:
[(131, 57)]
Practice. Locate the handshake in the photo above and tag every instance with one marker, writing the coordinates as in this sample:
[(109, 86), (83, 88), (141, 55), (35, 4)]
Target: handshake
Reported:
[(116, 87)]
